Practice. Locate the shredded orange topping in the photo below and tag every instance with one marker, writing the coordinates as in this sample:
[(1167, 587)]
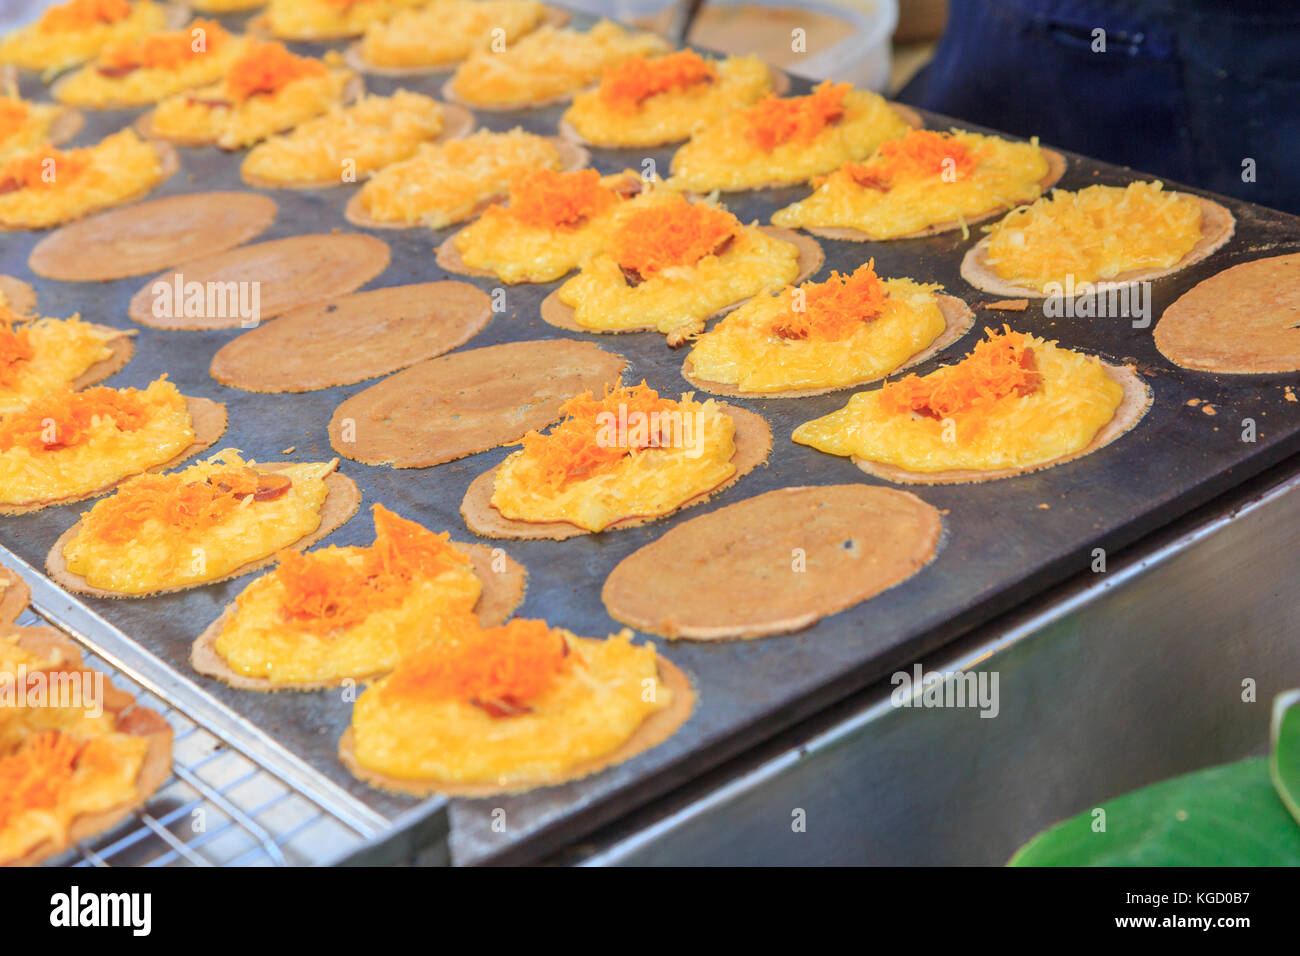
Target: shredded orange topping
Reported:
[(834, 309), (594, 436), (679, 233), (1000, 366), (64, 419), (627, 85), (15, 347), (183, 506), (37, 774), (13, 115), (268, 68), (168, 51), (79, 14), (43, 169), (550, 200), (774, 120), (505, 665), (920, 154), (324, 591)]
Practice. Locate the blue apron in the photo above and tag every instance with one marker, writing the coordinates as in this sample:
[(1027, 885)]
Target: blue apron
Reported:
[(1199, 92)]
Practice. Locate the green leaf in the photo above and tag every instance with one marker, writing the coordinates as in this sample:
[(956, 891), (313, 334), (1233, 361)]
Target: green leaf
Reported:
[(1224, 816), (1284, 766)]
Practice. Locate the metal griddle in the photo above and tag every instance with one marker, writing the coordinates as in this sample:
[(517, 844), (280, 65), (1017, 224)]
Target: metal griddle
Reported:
[(1004, 541)]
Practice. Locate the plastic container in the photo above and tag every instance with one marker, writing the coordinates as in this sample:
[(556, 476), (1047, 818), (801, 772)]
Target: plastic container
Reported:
[(856, 50)]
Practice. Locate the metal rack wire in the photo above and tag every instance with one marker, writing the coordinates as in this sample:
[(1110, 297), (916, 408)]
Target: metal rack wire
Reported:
[(218, 808)]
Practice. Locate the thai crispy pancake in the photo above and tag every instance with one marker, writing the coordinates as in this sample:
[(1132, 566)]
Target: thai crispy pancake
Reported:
[(735, 572), (122, 347), (353, 338), (753, 441), (811, 258), (14, 595), (131, 719), (168, 163), (208, 420), (1132, 407), (1217, 227), (1244, 320), (152, 235), (341, 502), (958, 319), (657, 728), (572, 157), (1055, 170), (353, 59), (503, 591), (288, 273), (20, 296), (449, 407)]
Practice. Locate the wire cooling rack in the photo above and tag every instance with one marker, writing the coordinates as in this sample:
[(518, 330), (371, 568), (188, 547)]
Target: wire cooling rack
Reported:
[(218, 808)]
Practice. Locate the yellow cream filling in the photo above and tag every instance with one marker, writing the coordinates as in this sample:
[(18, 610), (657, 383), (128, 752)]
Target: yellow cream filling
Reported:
[(607, 693), (448, 32), (742, 351), (64, 350), (1094, 234), (1075, 399)]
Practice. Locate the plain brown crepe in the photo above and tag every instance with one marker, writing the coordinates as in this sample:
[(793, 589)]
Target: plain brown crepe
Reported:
[(810, 260), (572, 156), (342, 499), (1217, 227), (1055, 170), (353, 338), (20, 296), (657, 728), (554, 17), (466, 402), (208, 419), (292, 272), (753, 444), (1245, 320), (14, 597), (152, 235), (457, 122), (957, 317), (1132, 406), (352, 91), (168, 163), (131, 719), (732, 573), (502, 592)]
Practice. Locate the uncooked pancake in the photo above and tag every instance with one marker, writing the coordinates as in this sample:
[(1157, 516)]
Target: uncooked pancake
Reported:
[(811, 258), (449, 407), (957, 321), (775, 563), (131, 718), (151, 235), (342, 499), (288, 273), (207, 418), (353, 338), (1217, 227), (503, 591), (1244, 320)]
